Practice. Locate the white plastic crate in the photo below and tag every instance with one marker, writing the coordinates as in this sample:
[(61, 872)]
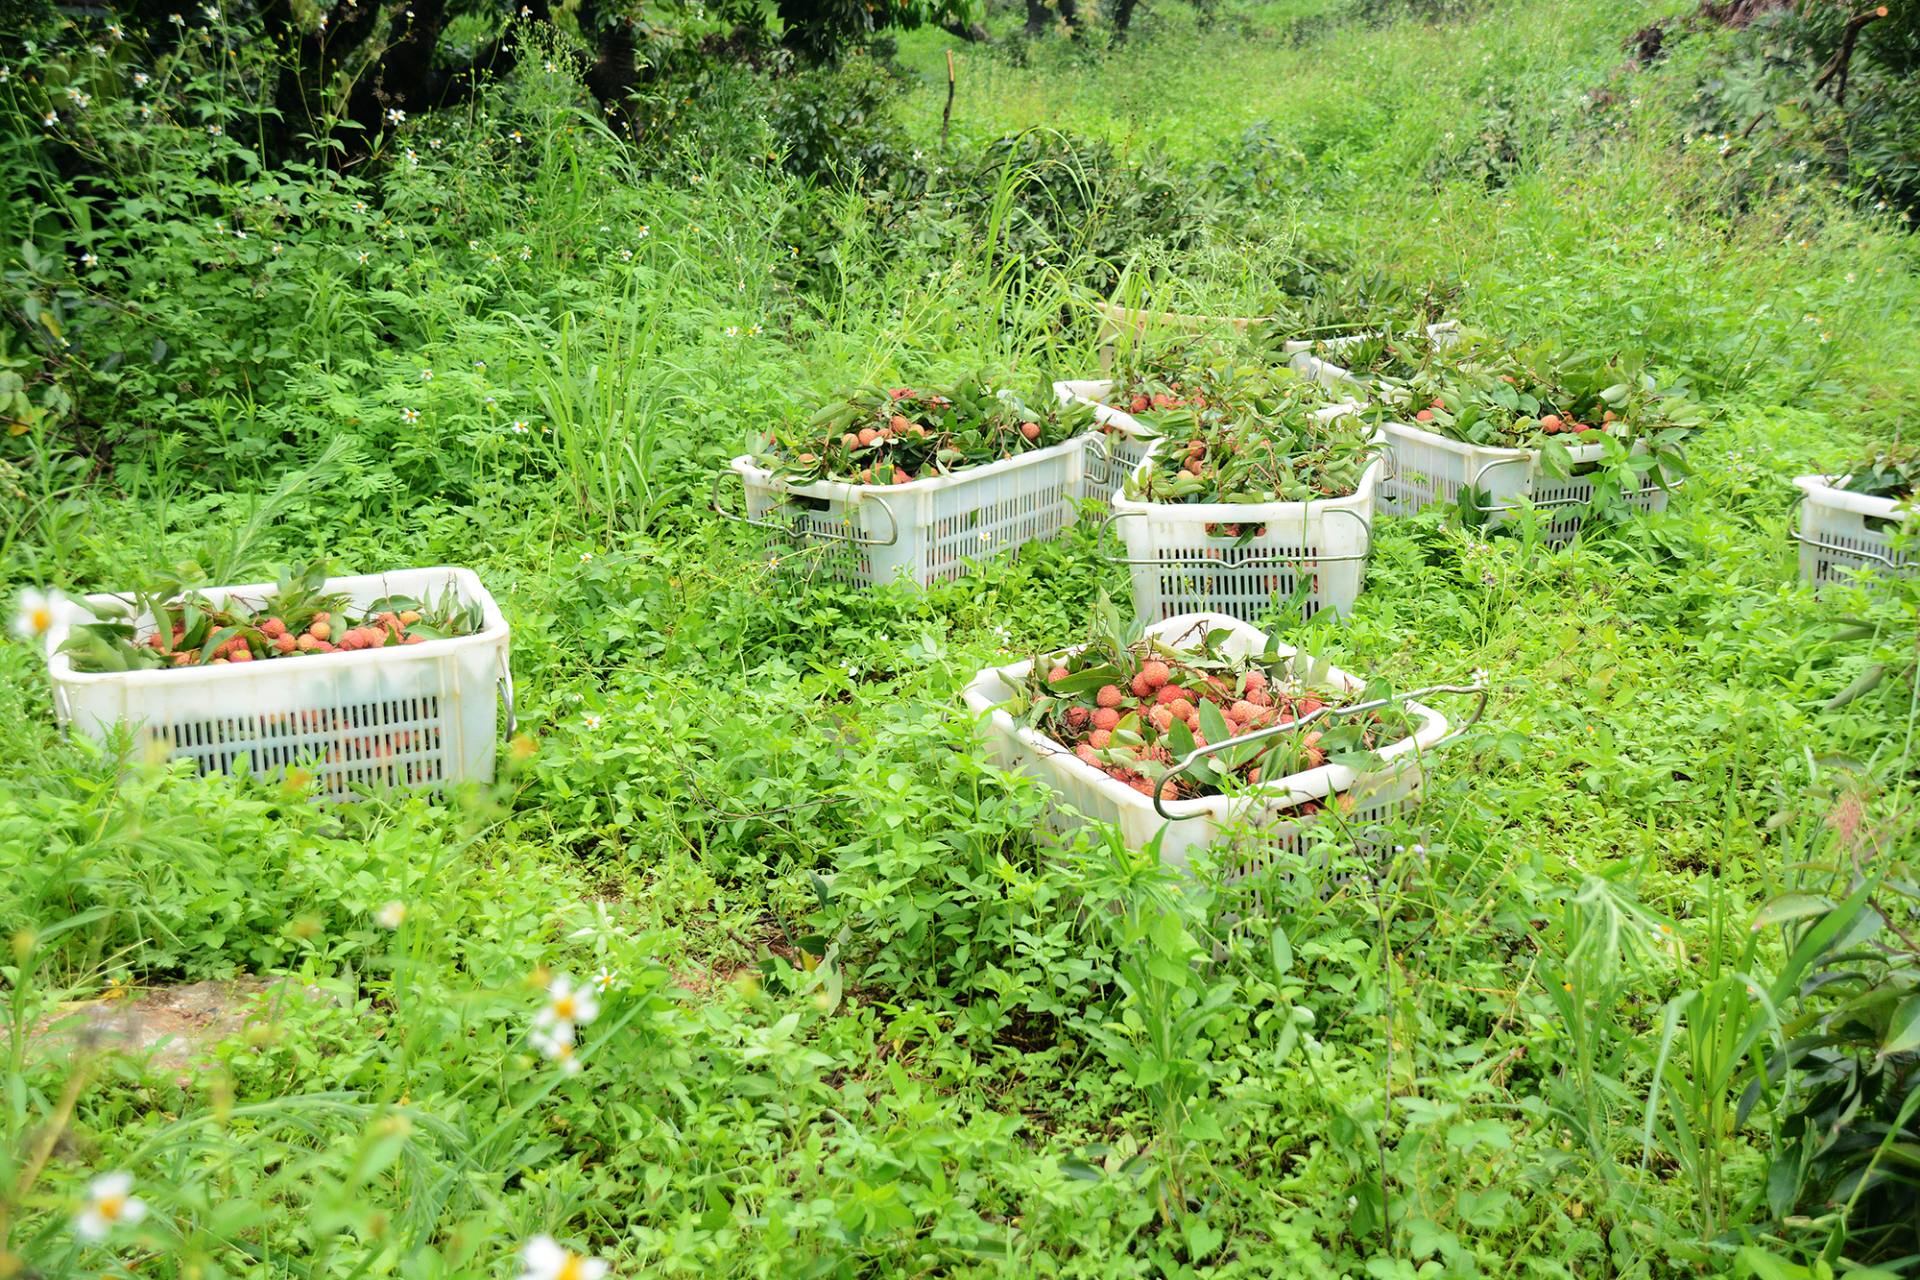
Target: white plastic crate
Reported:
[(1260, 823), (1841, 533), (1430, 468), (926, 530), (406, 715)]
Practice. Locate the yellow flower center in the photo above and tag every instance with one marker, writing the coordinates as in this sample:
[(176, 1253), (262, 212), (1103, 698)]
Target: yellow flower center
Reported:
[(40, 619), (571, 1269), (563, 1008), (111, 1207)]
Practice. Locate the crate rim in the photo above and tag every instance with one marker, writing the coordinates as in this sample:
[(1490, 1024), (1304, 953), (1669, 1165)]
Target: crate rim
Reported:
[(1363, 494), (746, 468), (1822, 488), (1277, 796), (60, 665)]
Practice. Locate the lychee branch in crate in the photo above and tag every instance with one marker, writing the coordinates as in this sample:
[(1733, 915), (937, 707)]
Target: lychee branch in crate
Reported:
[(1203, 722), (917, 482), (1489, 430), (1263, 490), (384, 679), (1181, 372)]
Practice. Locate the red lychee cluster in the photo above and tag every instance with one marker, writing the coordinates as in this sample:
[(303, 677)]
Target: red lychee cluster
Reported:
[(1125, 733), (257, 639)]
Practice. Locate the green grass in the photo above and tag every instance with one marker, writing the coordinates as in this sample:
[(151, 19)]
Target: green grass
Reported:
[(866, 1021)]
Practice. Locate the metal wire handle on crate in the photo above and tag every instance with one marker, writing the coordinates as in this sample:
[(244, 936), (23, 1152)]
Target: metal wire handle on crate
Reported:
[(506, 691), (893, 524), (1257, 562), (1675, 482), (1821, 544), (1185, 762)]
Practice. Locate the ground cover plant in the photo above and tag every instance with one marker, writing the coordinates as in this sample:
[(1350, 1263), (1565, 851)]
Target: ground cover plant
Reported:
[(750, 963)]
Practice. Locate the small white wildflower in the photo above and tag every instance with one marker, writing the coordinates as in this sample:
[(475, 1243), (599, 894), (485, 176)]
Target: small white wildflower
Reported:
[(97, 50), (544, 1258), (626, 255), (435, 143), (556, 1047), (176, 20), (585, 556), (140, 79), (550, 68), (526, 252), (753, 331), (50, 119), (6, 74), (214, 131), (115, 30), (391, 915), (733, 331), (426, 375), (591, 720), (517, 136), (396, 116), (644, 233), (519, 426), (87, 259), (277, 248), (409, 416), (35, 612), (413, 157), (362, 257), (110, 1203), (568, 1005), (603, 981)]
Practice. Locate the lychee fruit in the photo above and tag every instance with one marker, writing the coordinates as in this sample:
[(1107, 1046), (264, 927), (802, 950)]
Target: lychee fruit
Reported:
[(1243, 711), (1161, 718), (899, 422), (1031, 430), (243, 654), (900, 476), (1167, 694), (321, 629), (283, 643), (273, 628), (1181, 709), (1169, 791), (1100, 739), (1058, 674), (1086, 756), (850, 441), (1109, 695), (306, 642), (1106, 718), (1140, 686), (1155, 674), (867, 436), (1077, 716)]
